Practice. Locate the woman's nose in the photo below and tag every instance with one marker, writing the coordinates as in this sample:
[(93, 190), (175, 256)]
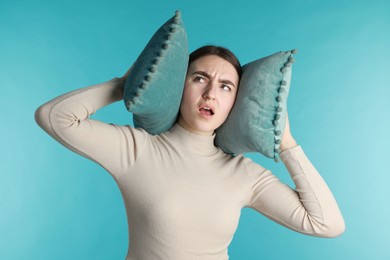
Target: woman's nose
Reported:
[(210, 91)]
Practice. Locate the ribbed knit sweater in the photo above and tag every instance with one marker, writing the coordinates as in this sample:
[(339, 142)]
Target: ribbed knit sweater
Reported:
[(183, 195)]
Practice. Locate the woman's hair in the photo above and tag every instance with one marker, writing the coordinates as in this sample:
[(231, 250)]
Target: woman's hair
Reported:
[(219, 51)]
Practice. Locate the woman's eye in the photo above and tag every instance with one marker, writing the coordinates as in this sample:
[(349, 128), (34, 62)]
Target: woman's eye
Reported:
[(226, 87), (199, 79)]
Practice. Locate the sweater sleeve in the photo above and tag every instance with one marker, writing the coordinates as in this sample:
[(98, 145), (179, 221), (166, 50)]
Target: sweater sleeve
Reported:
[(66, 119), (310, 208)]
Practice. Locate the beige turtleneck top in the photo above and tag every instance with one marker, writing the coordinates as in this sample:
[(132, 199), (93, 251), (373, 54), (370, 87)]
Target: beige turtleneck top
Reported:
[(183, 196)]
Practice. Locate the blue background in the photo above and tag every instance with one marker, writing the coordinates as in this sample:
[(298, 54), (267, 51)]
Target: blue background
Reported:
[(57, 205)]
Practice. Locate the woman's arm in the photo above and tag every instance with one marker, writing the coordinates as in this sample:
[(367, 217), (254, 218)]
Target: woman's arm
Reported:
[(310, 208), (288, 140), (66, 119), (110, 92)]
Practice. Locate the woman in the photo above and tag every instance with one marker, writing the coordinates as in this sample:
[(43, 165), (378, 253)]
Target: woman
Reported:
[(183, 195)]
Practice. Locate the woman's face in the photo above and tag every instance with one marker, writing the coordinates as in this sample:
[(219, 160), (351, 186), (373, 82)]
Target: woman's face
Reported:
[(209, 93)]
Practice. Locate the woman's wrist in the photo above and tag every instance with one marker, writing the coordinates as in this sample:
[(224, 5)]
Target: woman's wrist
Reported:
[(288, 142)]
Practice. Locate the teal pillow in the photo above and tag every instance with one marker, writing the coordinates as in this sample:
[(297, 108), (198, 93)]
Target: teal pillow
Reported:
[(257, 120), (154, 88)]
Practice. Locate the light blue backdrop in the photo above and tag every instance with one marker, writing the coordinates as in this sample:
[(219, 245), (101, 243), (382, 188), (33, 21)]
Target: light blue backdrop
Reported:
[(57, 205)]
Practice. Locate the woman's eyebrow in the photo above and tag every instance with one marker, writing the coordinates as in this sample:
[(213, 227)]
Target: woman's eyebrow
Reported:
[(227, 82), (205, 74)]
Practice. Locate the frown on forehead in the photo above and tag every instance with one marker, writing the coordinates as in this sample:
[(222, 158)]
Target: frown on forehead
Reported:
[(214, 66)]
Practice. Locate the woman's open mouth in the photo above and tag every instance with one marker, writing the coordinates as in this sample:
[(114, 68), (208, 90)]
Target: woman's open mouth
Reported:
[(206, 110)]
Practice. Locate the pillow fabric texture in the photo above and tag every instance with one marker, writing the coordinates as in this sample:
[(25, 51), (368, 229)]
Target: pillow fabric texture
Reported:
[(258, 118), (154, 87)]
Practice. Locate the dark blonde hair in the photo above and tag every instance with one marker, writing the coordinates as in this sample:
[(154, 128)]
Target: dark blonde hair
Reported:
[(222, 52)]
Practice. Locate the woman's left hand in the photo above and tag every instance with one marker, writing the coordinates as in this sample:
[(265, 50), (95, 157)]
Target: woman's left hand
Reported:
[(288, 141)]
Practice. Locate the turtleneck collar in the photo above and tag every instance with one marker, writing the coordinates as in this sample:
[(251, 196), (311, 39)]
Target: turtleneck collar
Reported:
[(193, 143)]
